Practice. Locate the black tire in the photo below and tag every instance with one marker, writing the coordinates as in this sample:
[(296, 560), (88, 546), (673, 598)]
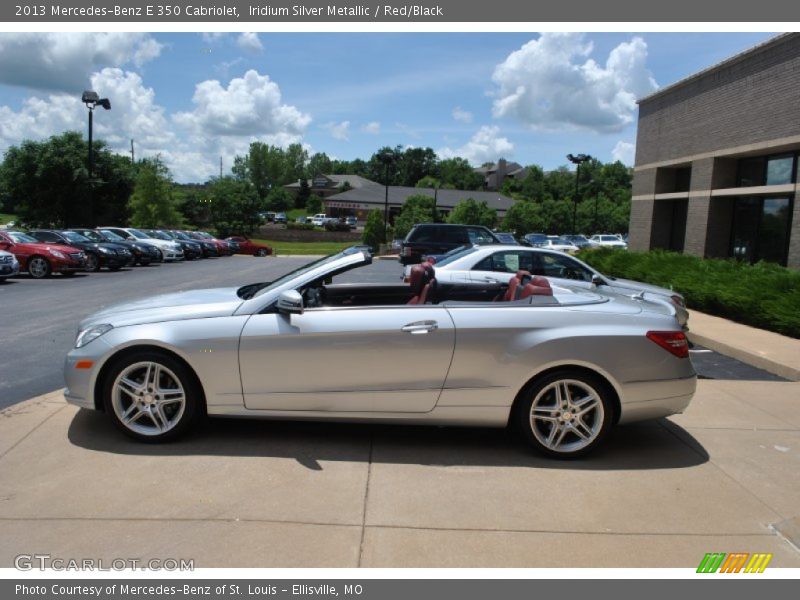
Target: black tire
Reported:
[(115, 268), (261, 252), (68, 273), (114, 401), (92, 262), (39, 267), (558, 408)]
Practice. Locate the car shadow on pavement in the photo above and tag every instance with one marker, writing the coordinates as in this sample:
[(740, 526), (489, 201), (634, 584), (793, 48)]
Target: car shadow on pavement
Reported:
[(654, 445)]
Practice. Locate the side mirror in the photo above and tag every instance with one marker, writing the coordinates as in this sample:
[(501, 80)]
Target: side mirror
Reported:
[(290, 302), (597, 280)]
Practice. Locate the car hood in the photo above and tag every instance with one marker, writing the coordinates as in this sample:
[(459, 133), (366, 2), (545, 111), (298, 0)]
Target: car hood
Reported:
[(638, 286), (42, 246), (177, 306)]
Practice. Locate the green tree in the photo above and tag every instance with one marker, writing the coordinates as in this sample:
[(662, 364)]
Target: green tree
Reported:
[(152, 203), (314, 204), (428, 182), (373, 235), (319, 164), (303, 194), (457, 173), (234, 207), (418, 208), (470, 212), (524, 217), (279, 200), (47, 182)]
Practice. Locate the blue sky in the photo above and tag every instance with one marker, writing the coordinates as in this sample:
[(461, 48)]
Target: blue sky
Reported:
[(194, 97)]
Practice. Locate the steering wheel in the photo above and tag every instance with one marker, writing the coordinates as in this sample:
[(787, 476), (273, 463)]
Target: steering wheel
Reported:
[(314, 297)]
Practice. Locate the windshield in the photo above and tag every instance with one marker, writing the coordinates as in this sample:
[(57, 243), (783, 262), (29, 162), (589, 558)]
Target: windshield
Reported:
[(454, 255), (204, 235), (609, 238), (74, 237), (138, 234), (562, 240), (111, 236), (180, 235), (297, 272), (159, 235), (22, 238), (92, 235)]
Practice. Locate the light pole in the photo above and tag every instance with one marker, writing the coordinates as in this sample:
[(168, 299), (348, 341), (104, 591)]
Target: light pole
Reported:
[(388, 158), (577, 160), (91, 100)]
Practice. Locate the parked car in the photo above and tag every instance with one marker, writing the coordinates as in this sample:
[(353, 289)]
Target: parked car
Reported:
[(192, 250), (564, 367), (223, 247), (98, 254), (351, 221), (41, 259), (170, 250), (486, 264), (280, 218), (561, 244), (581, 241), (248, 246), (607, 240), (143, 253), (302, 220), (207, 247), (438, 238), (319, 219), (537, 240), (9, 265)]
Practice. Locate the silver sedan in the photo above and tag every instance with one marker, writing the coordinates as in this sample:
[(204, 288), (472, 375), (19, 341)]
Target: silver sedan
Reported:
[(478, 264), (563, 366)]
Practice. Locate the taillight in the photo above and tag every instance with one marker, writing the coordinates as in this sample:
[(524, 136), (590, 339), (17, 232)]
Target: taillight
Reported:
[(674, 342), (678, 301)]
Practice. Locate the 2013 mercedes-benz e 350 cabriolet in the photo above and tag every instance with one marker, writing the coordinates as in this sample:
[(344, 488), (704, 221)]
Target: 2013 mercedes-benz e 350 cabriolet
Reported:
[(563, 365)]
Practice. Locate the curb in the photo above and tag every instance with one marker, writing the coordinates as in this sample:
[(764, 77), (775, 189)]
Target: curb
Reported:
[(751, 358)]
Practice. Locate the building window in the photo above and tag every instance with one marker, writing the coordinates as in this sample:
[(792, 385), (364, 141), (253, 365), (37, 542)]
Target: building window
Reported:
[(766, 170), (761, 229), (683, 178)]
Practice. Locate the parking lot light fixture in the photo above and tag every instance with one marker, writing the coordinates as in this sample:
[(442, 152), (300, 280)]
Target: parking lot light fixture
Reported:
[(578, 160), (92, 100)]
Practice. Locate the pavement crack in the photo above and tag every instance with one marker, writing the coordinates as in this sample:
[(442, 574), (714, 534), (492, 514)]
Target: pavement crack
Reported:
[(27, 435), (366, 499)]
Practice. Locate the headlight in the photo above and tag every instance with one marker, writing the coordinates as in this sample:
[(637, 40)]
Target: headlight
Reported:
[(91, 333), (104, 250), (57, 253)]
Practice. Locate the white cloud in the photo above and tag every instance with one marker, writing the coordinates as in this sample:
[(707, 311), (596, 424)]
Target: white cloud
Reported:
[(249, 106), (249, 42), (459, 114), (338, 131), (552, 83), (64, 62), (373, 128), (485, 146), (625, 152)]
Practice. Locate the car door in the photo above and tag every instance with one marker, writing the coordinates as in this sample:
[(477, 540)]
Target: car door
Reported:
[(347, 359)]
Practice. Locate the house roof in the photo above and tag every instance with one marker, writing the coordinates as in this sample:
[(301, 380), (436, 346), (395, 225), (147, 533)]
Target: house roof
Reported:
[(445, 198), (337, 179)]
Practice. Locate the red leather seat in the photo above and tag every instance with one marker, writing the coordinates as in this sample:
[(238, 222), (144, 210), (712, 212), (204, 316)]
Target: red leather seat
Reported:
[(422, 280), (538, 286), (515, 285)]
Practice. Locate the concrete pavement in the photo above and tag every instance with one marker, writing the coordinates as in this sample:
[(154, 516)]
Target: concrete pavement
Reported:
[(722, 477)]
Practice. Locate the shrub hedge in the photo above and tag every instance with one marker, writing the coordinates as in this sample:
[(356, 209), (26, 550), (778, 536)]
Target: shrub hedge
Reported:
[(762, 295)]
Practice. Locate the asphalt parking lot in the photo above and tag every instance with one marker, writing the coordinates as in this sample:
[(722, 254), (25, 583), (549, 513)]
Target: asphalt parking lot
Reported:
[(722, 477)]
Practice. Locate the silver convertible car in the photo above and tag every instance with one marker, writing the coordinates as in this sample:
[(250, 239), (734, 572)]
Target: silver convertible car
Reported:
[(563, 365)]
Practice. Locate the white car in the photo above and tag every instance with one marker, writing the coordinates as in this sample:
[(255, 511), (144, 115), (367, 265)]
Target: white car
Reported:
[(170, 250), (9, 265), (495, 264), (606, 240), (319, 219), (555, 242)]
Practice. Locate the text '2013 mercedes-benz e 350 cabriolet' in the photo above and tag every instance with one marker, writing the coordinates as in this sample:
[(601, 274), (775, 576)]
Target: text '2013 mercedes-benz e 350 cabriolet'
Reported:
[(563, 365)]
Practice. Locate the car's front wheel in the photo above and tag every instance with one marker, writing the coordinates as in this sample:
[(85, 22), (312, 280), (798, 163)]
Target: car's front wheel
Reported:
[(151, 396), (566, 414), (261, 252), (92, 262), (39, 267)]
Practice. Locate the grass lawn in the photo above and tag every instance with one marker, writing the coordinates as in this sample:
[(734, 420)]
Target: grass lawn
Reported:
[(286, 248), (5, 218)]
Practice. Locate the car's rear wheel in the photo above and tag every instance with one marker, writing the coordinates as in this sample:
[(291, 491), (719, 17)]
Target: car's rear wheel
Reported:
[(151, 396), (261, 252), (39, 267), (92, 262), (566, 414)]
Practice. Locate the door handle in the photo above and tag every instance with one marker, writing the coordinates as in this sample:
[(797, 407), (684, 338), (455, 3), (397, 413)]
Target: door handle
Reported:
[(419, 327)]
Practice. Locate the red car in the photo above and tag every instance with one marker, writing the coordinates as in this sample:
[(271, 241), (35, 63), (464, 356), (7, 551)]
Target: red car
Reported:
[(41, 259), (248, 246)]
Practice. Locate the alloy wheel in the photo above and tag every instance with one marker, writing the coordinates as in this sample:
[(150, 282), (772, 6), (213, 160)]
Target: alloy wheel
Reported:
[(566, 416), (148, 398), (38, 267)]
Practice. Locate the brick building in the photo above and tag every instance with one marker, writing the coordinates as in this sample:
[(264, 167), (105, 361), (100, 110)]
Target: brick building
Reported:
[(716, 170)]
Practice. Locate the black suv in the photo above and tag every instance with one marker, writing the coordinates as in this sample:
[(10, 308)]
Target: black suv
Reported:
[(438, 238)]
